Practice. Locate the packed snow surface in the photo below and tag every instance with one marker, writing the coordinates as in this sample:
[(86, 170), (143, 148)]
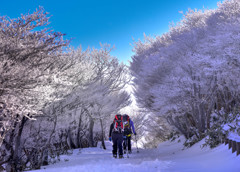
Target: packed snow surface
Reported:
[(168, 157)]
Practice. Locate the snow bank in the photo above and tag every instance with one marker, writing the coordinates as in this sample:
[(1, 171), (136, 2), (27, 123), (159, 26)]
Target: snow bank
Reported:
[(168, 157), (198, 159), (234, 136)]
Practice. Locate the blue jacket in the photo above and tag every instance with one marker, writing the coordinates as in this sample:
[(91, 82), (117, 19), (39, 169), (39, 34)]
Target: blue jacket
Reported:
[(132, 126)]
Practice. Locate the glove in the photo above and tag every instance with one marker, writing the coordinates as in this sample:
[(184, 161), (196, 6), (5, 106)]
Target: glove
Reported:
[(110, 139), (135, 134)]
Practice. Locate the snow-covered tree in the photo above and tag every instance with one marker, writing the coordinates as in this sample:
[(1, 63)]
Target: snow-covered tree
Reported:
[(193, 69), (29, 56)]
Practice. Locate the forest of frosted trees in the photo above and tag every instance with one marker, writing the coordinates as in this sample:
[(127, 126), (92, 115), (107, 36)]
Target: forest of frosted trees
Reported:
[(54, 98), (190, 76)]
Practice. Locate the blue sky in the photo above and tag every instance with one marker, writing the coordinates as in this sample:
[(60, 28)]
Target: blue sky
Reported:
[(116, 22)]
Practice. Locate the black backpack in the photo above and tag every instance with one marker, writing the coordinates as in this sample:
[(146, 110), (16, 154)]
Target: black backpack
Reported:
[(126, 125), (118, 123)]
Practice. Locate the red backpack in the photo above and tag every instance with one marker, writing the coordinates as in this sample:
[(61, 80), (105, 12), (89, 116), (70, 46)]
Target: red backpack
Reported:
[(118, 124)]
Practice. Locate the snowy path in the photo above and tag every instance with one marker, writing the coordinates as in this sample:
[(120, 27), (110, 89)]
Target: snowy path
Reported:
[(96, 159), (169, 157)]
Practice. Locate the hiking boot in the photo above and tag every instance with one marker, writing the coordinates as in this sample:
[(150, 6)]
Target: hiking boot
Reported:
[(129, 151), (114, 155), (120, 156)]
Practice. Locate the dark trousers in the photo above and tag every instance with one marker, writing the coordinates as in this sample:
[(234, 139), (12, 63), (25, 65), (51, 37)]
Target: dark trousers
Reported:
[(127, 143), (117, 139)]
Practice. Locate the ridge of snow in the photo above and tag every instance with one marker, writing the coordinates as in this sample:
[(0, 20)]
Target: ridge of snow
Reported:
[(168, 157)]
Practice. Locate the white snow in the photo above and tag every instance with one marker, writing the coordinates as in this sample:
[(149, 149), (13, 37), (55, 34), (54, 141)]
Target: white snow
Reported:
[(168, 157), (234, 136)]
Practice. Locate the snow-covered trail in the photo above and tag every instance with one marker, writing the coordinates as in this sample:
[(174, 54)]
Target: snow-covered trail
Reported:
[(97, 159), (169, 157)]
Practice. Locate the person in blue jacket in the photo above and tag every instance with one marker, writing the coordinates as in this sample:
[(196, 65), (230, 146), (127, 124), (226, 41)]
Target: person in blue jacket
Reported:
[(128, 131)]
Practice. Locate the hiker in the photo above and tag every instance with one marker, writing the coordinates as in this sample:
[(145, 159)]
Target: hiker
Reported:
[(116, 136), (128, 127)]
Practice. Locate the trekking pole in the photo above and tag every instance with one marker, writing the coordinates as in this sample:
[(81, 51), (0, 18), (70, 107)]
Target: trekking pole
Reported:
[(127, 151), (126, 144), (136, 144)]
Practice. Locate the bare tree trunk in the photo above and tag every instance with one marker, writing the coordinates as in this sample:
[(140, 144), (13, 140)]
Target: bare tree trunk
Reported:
[(79, 130), (208, 114), (18, 150), (45, 151), (91, 125), (202, 113), (9, 147), (71, 143), (103, 134)]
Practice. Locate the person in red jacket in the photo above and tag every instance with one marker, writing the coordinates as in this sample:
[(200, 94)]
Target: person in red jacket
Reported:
[(116, 136)]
